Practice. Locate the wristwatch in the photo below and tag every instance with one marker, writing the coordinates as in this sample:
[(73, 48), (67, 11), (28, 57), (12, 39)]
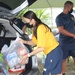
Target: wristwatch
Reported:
[(28, 55)]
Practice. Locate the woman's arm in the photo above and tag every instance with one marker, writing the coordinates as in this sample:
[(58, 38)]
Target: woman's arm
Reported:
[(30, 42), (39, 49)]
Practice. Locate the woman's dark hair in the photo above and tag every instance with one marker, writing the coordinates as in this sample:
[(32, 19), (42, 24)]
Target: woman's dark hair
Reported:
[(31, 15)]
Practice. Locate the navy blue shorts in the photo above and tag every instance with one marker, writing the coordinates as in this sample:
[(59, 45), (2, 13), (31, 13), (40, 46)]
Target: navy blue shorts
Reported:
[(68, 50), (53, 62)]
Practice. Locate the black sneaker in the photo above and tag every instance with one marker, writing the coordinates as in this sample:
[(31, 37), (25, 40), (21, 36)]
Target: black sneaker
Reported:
[(63, 73)]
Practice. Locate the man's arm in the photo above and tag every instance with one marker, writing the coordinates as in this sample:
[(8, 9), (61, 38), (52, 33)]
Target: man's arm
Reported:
[(74, 27), (65, 32)]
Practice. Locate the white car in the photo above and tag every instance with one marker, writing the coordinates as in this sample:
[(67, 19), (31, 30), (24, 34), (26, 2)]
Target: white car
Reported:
[(8, 10)]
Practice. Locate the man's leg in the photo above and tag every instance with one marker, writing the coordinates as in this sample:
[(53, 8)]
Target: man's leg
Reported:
[(63, 67), (55, 74), (74, 60), (59, 74)]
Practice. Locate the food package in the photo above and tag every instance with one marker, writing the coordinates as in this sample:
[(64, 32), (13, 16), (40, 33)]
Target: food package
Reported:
[(14, 53)]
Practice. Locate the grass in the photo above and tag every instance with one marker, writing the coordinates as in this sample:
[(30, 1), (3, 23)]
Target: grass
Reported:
[(70, 65)]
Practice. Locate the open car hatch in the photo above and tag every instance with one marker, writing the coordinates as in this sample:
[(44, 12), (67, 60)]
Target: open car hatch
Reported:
[(9, 8)]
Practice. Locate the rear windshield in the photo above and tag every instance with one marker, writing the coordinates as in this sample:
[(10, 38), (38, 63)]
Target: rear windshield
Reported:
[(11, 4)]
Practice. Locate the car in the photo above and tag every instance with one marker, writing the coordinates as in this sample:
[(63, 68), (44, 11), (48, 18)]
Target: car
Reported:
[(8, 30), (56, 34)]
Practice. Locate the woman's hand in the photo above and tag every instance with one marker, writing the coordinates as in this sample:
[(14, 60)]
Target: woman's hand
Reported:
[(30, 42), (24, 59), (23, 41)]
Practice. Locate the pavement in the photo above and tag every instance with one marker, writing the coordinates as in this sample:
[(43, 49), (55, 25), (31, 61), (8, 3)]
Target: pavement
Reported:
[(67, 73), (70, 73)]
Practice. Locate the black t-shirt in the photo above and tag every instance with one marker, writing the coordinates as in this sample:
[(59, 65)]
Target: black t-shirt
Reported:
[(67, 21)]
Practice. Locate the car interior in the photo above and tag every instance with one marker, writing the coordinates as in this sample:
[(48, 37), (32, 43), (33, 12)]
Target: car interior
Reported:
[(8, 10)]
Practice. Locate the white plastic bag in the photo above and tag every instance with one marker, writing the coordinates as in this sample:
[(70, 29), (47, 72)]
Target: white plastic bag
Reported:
[(14, 53), (4, 48)]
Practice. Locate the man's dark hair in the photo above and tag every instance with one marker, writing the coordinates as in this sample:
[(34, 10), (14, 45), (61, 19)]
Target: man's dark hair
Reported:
[(68, 3)]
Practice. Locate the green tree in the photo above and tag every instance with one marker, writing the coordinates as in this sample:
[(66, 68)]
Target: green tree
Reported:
[(41, 14)]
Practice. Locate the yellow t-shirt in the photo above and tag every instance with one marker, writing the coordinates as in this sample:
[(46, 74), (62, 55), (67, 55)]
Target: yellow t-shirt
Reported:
[(45, 38)]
